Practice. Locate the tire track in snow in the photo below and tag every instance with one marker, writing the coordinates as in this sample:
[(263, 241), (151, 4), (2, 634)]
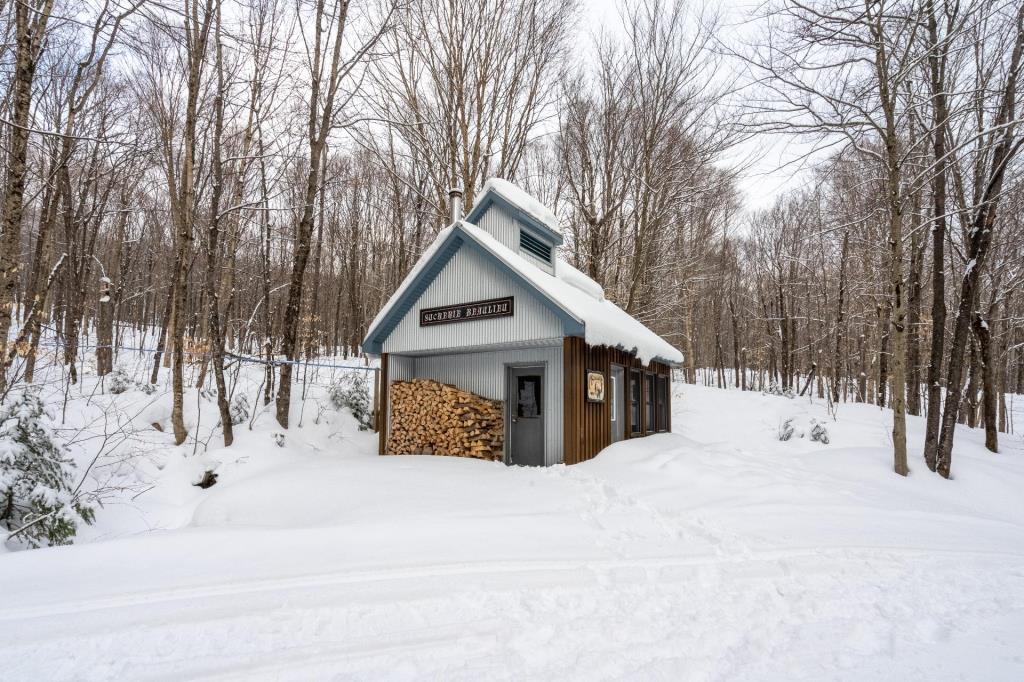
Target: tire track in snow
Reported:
[(491, 569), (715, 619)]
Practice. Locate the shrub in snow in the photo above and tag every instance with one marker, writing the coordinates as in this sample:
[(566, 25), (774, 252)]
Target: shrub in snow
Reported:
[(35, 476), (118, 382), (239, 410), (279, 439), (352, 392), (775, 388), (148, 389), (819, 433), (786, 430)]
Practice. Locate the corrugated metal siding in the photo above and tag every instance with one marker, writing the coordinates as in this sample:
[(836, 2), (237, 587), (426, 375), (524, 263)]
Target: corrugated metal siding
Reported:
[(505, 229), (469, 276), (401, 368), (484, 374), (501, 226)]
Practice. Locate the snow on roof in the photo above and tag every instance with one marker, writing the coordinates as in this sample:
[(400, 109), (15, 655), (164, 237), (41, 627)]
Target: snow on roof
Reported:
[(605, 324), (571, 275), (523, 201)]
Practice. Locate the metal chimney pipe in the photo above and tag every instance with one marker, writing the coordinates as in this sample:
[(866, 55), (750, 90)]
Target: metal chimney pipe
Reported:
[(455, 203)]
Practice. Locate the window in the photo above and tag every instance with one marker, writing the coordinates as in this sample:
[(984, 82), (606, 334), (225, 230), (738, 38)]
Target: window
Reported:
[(528, 397), (534, 246), (649, 407), (634, 401), (663, 403)]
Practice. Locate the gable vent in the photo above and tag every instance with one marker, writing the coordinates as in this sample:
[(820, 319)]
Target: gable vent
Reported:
[(534, 246)]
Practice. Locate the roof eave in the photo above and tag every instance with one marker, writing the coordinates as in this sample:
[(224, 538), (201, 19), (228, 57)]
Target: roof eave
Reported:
[(493, 197)]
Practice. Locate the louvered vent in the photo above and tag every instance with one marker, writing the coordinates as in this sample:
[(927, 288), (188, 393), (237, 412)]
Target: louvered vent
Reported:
[(534, 246)]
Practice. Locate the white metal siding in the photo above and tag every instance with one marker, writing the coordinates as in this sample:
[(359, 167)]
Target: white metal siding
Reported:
[(470, 276), (505, 229), (501, 226), (401, 368), (484, 374)]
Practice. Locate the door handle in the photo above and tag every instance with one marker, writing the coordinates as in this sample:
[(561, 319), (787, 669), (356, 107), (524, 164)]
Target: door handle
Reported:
[(514, 420)]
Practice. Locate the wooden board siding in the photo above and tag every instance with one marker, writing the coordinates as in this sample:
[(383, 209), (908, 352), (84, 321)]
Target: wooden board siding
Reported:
[(382, 409), (587, 426)]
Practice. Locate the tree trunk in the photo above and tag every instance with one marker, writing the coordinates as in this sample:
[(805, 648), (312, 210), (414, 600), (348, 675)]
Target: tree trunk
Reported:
[(881, 387), (838, 373), (213, 245), (105, 330), (197, 32), (319, 125), (30, 26), (914, 322), (162, 339), (990, 413), (969, 409)]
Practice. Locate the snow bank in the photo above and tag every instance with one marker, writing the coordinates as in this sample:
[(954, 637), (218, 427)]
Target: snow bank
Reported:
[(715, 553)]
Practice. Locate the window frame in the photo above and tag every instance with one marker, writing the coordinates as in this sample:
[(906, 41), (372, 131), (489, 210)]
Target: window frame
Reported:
[(614, 402), (635, 402), (650, 404), (661, 392)]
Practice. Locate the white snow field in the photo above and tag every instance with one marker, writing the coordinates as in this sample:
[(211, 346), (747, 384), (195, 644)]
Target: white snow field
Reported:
[(713, 553)]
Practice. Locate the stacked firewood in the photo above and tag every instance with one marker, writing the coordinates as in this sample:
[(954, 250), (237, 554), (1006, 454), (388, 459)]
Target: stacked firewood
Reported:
[(431, 418)]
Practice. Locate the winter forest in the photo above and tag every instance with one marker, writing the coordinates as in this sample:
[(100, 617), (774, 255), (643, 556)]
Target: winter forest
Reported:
[(208, 205), (257, 177)]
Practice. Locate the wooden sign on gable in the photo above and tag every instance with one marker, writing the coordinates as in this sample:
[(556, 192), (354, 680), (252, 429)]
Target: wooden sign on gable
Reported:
[(464, 312)]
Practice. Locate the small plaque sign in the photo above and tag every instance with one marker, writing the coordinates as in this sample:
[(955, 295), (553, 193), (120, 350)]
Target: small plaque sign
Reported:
[(464, 312), (595, 386)]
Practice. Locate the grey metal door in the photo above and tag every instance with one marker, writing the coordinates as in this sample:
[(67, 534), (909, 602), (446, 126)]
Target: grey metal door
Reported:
[(526, 415), (618, 398)]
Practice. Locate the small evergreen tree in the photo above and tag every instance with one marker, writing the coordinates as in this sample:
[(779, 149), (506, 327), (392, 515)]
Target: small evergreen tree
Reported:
[(35, 476), (119, 382), (239, 410), (819, 434), (351, 392), (786, 429)]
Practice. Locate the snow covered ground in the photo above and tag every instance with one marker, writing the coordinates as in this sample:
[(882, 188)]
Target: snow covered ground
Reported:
[(713, 553)]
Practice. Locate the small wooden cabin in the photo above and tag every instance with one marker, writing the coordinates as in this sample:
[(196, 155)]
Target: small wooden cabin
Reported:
[(491, 310)]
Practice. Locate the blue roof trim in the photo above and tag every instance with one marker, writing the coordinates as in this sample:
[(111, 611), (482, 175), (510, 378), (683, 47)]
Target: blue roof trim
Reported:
[(493, 198), (374, 342)]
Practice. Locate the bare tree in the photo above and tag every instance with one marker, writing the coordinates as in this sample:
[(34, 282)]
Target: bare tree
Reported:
[(839, 73), (328, 69), (999, 144), (467, 85)]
